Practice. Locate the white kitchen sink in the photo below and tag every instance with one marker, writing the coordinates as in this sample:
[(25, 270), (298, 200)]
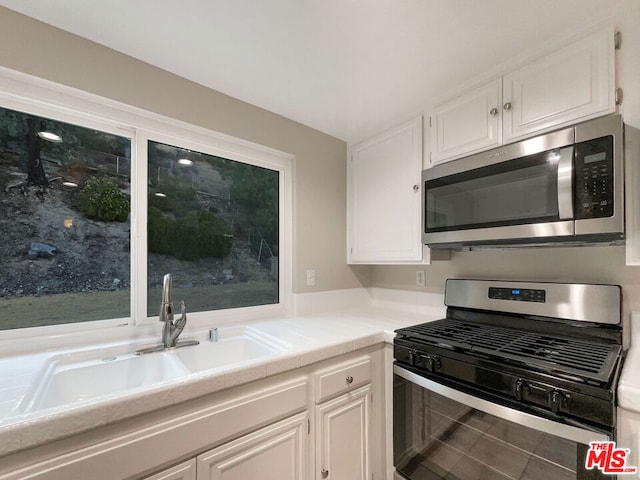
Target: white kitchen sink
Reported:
[(227, 351), (66, 381), (92, 374)]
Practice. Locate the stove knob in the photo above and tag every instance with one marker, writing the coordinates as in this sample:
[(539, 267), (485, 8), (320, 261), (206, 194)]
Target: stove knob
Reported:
[(518, 389), (418, 359), (555, 400), (414, 358), (431, 363), (435, 363), (428, 362), (410, 357)]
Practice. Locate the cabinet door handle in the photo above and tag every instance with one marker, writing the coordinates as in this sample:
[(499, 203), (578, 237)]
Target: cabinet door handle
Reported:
[(349, 379), (324, 473), (507, 106), (416, 188), (493, 112)]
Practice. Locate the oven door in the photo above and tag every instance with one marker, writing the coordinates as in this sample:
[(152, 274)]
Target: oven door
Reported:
[(442, 433), (515, 193)]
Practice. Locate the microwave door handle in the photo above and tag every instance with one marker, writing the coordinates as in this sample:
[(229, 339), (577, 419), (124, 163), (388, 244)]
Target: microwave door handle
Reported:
[(565, 183)]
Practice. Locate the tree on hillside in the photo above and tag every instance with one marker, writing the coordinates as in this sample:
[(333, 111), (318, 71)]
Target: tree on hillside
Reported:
[(19, 134), (35, 170)]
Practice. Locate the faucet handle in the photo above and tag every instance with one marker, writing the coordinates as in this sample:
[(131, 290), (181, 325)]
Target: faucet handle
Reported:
[(179, 324)]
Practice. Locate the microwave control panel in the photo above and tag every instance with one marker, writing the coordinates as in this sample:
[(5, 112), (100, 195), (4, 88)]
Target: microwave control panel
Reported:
[(594, 178)]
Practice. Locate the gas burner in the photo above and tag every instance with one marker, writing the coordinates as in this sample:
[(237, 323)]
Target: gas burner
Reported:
[(586, 359)]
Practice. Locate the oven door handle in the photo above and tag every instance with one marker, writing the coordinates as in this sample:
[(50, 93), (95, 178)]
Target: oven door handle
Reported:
[(568, 432)]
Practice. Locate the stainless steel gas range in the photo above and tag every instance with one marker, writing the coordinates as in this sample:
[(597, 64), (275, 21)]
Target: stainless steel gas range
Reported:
[(515, 383)]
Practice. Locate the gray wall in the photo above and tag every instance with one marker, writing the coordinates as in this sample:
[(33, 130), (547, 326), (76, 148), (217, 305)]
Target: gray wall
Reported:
[(583, 265), (35, 48)]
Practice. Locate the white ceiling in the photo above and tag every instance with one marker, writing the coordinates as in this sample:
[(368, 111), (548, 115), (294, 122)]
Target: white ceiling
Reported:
[(346, 67)]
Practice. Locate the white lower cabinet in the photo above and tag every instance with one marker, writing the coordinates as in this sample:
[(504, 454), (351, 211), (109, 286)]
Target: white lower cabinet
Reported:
[(343, 420), (342, 442), (184, 471), (273, 453)]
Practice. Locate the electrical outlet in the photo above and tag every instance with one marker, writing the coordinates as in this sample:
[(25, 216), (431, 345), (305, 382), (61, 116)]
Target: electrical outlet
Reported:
[(420, 278), (311, 278)]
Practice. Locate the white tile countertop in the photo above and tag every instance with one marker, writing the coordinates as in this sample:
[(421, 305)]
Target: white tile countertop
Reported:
[(310, 338)]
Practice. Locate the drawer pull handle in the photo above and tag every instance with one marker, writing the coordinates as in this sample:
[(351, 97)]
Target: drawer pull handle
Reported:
[(349, 380)]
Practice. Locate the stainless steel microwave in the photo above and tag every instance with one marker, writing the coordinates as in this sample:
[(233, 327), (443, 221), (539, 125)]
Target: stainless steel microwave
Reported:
[(562, 187)]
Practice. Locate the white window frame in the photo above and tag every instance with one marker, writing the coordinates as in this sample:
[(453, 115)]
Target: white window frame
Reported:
[(25, 93)]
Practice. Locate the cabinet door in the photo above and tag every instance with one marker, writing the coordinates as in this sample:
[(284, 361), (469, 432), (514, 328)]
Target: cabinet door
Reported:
[(272, 453), (384, 209), (184, 471), (566, 87), (342, 442), (470, 123)]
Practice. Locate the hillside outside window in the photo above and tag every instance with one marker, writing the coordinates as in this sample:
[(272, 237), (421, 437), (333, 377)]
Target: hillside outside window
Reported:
[(213, 224), (64, 216)]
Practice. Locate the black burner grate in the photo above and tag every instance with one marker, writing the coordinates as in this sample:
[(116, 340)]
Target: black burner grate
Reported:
[(586, 359)]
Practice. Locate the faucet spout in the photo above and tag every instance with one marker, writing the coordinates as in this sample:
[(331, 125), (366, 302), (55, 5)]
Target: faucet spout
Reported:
[(166, 307), (166, 289)]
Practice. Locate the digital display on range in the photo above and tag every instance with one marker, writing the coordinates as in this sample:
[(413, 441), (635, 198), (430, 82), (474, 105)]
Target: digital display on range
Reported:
[(518, 294)]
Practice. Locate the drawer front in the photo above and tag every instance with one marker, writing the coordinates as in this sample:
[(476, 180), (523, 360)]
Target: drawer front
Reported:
[(342, 378)]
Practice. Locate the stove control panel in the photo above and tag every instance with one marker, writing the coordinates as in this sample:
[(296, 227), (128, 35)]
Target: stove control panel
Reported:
[(518, 294)]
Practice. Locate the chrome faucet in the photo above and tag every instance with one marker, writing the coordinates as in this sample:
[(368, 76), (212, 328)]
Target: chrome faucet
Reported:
[(171, 330)]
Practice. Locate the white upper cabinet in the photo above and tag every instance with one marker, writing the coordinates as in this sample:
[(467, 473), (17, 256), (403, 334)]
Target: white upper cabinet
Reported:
[(384, 197), (571, 85), (468, 124), (568, 86)]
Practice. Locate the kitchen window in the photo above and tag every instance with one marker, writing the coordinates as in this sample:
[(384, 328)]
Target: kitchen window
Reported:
[(213, 224), (65, 196), (99, 201)]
